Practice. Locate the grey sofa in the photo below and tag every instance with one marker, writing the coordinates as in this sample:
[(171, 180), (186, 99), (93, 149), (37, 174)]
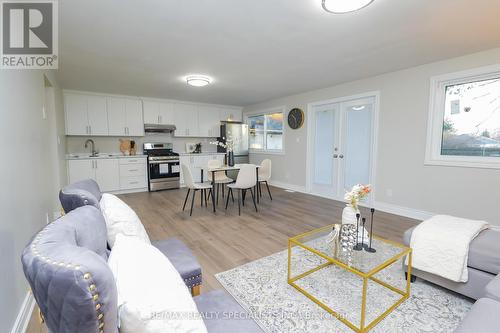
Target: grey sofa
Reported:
[(483, 284), (66, 267), (87, 192)]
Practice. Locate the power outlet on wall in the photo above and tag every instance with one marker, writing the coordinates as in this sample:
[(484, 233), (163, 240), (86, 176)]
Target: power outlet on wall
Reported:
[(47, 218), (44, 113)]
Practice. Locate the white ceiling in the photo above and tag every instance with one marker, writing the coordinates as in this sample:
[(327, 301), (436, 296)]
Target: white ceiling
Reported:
[(257, 50)]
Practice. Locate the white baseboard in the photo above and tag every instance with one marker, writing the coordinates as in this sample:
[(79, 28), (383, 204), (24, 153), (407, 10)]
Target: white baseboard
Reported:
[(381, 206), (24, 315), (286, 186)]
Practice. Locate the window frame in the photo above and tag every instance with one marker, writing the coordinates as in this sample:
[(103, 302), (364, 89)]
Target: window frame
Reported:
[(265, 112), (437, 106)]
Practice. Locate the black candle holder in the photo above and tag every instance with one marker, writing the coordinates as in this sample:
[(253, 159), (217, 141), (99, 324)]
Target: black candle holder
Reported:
[(358, 246), (370, 249)]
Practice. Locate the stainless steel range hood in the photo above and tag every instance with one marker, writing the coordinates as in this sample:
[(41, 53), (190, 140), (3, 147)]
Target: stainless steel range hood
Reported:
[(155, 128)]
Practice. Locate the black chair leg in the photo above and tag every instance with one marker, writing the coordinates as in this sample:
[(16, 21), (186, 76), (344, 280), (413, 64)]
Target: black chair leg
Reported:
[(192, 203), (205, 195), (244, 194), (239, 201), (253, 198), (232, 196), (222, 192), (230, 190), (269, 191), (260, 190), (185, 200), (217, 194)]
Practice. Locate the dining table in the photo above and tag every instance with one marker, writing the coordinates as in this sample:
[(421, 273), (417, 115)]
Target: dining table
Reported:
[(225, 169)]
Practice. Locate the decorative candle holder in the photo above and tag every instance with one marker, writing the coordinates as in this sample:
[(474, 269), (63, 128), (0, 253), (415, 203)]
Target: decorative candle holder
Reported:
[(370, 249)]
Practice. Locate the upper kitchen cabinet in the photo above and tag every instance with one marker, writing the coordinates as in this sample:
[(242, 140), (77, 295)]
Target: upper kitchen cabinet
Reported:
[(208, 121), (226, 114), (186, 120), (160, 113), (85, 114), (77, 120), (125, 116)]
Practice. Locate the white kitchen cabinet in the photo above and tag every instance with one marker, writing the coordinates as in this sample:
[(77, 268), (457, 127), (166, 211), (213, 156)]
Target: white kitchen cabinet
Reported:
[(186, 120), (77, 121), (117, 119), (125, 117), (196, 162), (161, 113), (98, 118), (85, 114), (107, 174), (151, 112), (230, 114), (208, 121), (135, 120), (166, 112), (133, 173), (80, 170)]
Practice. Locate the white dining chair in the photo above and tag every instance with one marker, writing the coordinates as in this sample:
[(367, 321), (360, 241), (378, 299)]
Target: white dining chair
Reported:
[(220, 179), (192, 186), (246, 180), (265, 176)]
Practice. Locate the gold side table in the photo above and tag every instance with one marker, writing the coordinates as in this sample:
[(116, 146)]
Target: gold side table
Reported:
[(363, 264)]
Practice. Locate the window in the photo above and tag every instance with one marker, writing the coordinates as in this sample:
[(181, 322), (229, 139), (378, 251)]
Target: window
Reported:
[(266, 132), (464, 119)]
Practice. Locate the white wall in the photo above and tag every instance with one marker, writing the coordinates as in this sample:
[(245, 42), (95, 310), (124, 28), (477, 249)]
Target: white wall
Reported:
[(404, 99), (28, 181)]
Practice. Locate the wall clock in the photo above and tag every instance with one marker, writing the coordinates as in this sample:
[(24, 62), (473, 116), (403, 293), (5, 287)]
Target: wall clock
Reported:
[(295, 118)]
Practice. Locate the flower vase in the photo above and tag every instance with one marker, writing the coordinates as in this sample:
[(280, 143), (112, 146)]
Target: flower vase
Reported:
[(349, 215), (230, 158)]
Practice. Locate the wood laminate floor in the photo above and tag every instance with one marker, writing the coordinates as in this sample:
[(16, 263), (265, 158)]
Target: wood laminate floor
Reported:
[(225, 240)]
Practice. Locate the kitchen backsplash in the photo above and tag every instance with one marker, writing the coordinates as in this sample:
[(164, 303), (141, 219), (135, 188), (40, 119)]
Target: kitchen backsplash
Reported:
[(75, 144)]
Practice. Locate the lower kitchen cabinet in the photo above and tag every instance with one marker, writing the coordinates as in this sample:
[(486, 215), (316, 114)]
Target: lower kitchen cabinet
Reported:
[(196, 162), (112, 174)]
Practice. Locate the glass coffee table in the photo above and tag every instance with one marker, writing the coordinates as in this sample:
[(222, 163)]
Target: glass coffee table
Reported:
[(331, 277)]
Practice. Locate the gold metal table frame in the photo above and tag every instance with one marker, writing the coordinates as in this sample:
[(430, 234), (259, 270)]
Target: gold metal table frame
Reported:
[(363, 327)]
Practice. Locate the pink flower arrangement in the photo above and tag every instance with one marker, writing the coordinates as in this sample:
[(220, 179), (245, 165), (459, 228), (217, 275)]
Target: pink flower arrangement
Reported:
[(356, 194)]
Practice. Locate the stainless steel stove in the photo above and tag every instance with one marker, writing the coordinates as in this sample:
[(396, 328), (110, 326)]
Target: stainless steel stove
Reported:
[(163, 166)]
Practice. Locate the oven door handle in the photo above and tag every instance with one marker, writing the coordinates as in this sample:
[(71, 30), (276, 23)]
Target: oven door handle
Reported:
[(163, 162)]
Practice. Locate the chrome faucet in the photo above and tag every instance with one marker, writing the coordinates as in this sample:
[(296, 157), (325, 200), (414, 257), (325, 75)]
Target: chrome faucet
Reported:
[(92, 146)]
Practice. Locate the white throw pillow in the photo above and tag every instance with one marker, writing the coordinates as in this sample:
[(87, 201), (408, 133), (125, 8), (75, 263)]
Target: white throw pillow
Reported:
[(121, 219), (152, 297)]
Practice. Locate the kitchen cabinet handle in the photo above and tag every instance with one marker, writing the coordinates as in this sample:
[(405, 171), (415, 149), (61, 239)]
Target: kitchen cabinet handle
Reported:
[(90, 129)]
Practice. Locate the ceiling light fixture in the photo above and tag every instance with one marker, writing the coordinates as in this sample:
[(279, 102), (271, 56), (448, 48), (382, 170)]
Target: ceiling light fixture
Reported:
[(198, 80), (344, 6)]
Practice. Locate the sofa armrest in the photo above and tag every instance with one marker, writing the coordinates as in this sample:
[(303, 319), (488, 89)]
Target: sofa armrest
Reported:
[(492, 289), (183, 260)]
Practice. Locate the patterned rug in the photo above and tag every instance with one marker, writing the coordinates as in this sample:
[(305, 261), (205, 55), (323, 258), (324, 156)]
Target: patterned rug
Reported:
[(261, 288)]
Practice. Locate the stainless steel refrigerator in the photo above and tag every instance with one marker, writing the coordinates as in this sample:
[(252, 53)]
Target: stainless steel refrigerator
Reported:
[(238, 132)]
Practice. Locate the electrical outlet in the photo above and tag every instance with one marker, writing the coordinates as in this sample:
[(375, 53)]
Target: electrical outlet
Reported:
[(47, 218), (44, 113)]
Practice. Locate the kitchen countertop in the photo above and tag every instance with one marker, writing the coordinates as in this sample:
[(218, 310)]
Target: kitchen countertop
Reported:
[(78, 156)]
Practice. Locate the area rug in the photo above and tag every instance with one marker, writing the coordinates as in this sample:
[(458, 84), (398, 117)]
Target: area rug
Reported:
[(261, 288)]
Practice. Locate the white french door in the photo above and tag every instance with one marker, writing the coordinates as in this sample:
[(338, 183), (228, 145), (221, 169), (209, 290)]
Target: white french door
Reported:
[(342, 145)]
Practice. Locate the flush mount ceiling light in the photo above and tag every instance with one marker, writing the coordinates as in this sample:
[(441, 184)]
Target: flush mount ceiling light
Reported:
[(198, 80), (344, 6)]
